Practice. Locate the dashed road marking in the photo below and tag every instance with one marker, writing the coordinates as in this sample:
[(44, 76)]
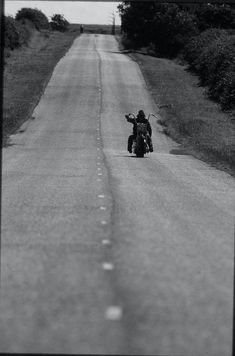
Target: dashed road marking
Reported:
[(107, 266), (113, 313), (106, 242), (103, 222), (103, 208), (100, 174), (101, 196)]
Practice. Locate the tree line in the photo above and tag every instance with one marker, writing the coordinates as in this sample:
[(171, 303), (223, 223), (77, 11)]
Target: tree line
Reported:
[(17, 31), (202, 34)]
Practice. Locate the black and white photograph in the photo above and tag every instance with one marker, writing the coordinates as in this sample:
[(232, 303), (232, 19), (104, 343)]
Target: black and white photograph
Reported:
[(117, 177)]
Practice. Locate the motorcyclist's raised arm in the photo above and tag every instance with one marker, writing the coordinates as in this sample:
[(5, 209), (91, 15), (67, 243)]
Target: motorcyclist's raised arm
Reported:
[(130, 119)]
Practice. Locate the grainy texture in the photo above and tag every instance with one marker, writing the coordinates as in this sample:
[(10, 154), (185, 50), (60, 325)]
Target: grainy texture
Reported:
[(169, 223), (189, 116)]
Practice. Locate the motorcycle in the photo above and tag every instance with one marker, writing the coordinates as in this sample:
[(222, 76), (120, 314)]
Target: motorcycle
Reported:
[(140, 145)]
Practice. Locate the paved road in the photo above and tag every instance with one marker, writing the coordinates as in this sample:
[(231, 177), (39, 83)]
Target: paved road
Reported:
[(103, 252)]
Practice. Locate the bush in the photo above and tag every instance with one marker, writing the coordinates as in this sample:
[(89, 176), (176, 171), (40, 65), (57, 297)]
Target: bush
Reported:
[(197, 44), (15, 34), (37, 17), (213, 59), (11, 34), (227, 89), (212, 56), (215, 16), (59, 23)]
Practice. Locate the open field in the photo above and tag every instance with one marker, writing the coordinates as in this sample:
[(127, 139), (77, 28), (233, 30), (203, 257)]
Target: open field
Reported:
[(100, 29), (27, 72), (188, 116)]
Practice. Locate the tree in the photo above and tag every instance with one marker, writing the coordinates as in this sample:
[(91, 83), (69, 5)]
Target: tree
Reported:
[(137, 21), (36, 16), (164, 25), (59, 23), (216, 16), (172, 29)]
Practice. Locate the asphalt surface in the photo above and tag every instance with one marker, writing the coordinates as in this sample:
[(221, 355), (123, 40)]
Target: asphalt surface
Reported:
[(102, 252)]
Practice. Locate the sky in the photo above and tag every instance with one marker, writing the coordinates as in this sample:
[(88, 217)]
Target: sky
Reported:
[(84, 12)]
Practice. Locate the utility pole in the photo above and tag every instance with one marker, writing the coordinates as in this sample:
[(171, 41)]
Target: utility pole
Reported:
[(113, 25)]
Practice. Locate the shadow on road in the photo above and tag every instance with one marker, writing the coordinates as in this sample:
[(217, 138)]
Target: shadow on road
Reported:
[(179, 151), (131, 156)]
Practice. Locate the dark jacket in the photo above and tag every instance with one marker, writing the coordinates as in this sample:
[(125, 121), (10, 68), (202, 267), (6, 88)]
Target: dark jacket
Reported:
[(134, 122)]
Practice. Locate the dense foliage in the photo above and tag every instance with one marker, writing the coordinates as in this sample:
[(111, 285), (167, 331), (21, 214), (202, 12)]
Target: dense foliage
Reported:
[(216, 16), (36, 16), (15, 33), (59, 23), (212, 56), (203, 33), (172, 29)]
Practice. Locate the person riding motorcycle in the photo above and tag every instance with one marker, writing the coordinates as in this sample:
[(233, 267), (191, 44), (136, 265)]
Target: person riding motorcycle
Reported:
[(134, 120)]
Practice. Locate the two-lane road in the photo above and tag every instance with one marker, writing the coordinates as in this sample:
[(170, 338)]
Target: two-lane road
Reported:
[(103, 252)]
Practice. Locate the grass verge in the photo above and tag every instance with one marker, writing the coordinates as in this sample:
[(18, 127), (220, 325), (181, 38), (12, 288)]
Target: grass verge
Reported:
[(189, 117), (26, 73)]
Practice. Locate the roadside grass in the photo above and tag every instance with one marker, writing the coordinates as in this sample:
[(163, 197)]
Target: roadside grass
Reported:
[(27, 71), (188, 116)]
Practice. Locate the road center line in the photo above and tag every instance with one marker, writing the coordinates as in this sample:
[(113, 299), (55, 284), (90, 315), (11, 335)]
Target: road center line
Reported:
[(113, 313), (107, 266), (106, 242)]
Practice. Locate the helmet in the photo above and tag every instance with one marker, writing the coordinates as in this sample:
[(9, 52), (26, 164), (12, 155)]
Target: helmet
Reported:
[(141, 114)]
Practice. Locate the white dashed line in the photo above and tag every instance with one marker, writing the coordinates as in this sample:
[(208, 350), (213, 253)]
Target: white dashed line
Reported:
[(105, 242), (103, 208), (107, 266), (113, 313), (101, 196), (100, 174), (103, 222)]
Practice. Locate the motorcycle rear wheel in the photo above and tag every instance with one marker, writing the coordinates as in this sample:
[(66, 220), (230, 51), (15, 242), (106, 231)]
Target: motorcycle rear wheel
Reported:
[(140, 148)]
